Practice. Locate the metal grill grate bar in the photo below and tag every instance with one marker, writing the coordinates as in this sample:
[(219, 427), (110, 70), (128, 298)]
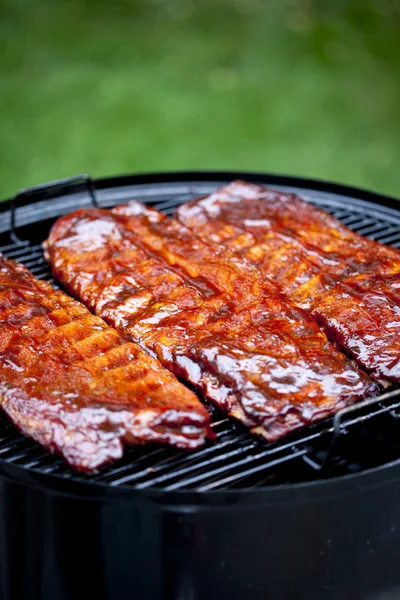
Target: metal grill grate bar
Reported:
[(370, 230), (240, 464), (392, 239), (355, 221), (176, 460), (228, 481), (17, 253), (227, 455), (383, 232)]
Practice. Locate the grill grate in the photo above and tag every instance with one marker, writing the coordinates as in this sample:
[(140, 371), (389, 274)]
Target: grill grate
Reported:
[(358, 438)]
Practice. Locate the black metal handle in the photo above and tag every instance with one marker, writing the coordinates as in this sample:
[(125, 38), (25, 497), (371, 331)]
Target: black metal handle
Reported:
[(51, 189), (386, 402)]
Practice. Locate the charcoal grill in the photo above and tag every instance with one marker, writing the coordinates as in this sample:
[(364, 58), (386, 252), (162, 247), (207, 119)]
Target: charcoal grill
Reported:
[(313, 516)]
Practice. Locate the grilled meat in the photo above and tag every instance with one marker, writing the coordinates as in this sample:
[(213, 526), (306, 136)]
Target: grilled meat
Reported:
[(206, 314), (77, 386), (351, 285)]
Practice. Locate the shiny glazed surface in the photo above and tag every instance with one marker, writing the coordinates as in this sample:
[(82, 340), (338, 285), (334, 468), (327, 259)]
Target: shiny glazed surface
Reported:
[(351, 285), (77, 386), (207, 315)]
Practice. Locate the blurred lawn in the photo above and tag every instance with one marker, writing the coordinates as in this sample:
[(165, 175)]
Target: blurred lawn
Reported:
[(309, 88)]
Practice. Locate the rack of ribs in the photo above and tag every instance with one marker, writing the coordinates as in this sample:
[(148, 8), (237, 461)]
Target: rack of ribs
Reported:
[(77, 386), (207, 315), (350, 284)]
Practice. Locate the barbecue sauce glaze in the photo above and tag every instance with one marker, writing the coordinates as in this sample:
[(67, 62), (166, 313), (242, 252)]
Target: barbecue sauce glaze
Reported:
[(207, 315), (77, 386), (350, 284)]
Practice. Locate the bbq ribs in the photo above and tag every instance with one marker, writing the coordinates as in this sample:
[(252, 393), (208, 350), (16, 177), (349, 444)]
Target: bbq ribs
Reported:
[(206, 314), (77, 386), (350, 284)]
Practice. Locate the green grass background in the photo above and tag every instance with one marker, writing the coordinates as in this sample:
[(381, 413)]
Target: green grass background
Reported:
[(101, 86)]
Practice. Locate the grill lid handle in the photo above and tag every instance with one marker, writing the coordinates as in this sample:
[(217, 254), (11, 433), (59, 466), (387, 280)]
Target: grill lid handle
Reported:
[(47, 191)]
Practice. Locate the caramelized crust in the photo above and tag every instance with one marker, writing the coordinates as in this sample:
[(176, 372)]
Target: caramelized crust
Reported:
[(207, 315), (77, 386), (351, 285)]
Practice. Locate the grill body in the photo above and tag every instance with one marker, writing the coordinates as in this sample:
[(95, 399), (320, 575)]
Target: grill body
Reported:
[(241, 519), (330, 540)]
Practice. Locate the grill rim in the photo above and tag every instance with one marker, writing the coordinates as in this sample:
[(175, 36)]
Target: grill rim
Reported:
[(294, 181), (117, 187), (233, 499), (104, 186)]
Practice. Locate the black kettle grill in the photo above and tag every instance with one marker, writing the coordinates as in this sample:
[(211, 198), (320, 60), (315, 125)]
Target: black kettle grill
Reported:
[(315, 516)]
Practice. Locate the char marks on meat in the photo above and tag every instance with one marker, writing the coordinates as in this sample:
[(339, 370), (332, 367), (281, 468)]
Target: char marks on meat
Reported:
[(208, 316), (77, 386), (350, 284)]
